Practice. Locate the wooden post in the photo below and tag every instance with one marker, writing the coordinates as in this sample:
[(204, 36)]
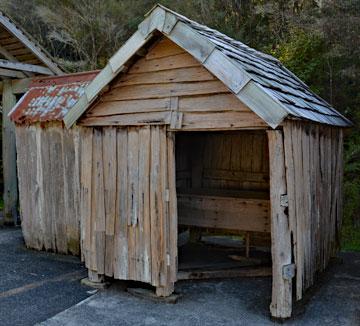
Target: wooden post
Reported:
[(282, 267), (9, 156)]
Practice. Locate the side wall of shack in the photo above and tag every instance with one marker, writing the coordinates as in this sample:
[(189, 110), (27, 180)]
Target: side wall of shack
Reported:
[(314, 169), (48, 171)]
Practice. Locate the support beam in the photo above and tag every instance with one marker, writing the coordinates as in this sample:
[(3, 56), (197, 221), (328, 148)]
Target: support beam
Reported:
[(19, 86), (25, 67), (5, 53), (9, 156), (8, 73), (282, 268)]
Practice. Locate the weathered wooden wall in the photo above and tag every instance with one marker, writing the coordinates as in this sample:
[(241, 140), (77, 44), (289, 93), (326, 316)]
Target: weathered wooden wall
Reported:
[(314, 167), (168, 86), (128, 210), (223, 160), (48, 172)]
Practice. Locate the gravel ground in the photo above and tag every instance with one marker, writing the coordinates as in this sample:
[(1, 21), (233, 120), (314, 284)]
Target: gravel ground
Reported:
[(35, 285)]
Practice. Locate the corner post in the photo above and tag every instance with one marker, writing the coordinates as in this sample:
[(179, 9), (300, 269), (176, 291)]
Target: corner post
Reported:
[(9, 156), (282, 267)]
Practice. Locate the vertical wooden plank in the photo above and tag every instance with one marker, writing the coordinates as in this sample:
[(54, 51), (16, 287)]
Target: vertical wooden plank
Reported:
[(9, 156), (121, 220), (291, 183), (163, 209), (298, 159), (71, 180), (143, 229), (154, 206), (133, 200), (99, 203), (56, 193), (281, 304), (306, 193), (110, 171), (86, 193), (173, 217)]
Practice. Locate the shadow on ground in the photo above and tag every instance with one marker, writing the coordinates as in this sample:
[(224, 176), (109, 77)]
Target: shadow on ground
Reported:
[(336, 301), (35, 285)]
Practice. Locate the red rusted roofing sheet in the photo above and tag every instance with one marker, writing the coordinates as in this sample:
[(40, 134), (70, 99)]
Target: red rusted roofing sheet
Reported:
[(50, 98)]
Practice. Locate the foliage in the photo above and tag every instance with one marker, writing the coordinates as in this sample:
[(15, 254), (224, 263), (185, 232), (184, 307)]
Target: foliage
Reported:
[(319, 40)]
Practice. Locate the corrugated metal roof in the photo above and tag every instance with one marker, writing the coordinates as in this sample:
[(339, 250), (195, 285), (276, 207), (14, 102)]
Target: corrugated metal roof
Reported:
[(281, 84), (49, 99)]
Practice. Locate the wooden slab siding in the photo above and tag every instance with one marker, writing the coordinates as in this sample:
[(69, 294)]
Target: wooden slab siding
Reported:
[(130, 239), (314, 166), (233, 160), (166, 75), (48, 170)]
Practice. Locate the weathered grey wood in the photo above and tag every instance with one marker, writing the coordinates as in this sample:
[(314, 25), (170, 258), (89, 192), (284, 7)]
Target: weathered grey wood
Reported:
[(186, 37), (224, 212), (25, 67), (10, 73), (121, 254), (222, 67), (5, 53), (254, 96), (281, 303), (9, 156), (110, 189), (35, 49)]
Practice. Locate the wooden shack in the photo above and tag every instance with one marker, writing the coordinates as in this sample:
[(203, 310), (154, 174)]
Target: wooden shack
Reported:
[(186, 128), (48, 163), (21, 59)]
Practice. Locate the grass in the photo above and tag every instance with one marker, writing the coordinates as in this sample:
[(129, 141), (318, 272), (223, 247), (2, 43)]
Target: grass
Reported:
[(350, 238)]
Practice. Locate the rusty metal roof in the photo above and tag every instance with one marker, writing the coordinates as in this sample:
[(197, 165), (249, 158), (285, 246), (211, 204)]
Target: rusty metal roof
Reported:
[(50, 98)]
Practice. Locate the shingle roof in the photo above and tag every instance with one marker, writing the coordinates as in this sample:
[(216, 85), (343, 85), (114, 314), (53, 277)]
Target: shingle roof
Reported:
[(268, 72), (257, 79)]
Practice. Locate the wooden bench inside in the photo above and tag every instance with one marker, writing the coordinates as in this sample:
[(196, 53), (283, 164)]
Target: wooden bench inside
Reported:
[(224, 209)]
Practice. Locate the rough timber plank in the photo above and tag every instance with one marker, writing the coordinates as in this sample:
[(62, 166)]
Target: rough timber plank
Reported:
[(173, 210), (99, 205), (154, 206), (132, 106), (121, 253), (144, 236), (281, 303), (221, 120), (86, 192), (9, 156), (191, 74), (133, 200), (110, 171), (165, 90), (135, 119), (204, 211), (182, 60), (164, 48)]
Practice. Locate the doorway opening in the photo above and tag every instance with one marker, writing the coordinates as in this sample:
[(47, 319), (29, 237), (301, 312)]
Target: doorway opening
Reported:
[(222, 181)]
